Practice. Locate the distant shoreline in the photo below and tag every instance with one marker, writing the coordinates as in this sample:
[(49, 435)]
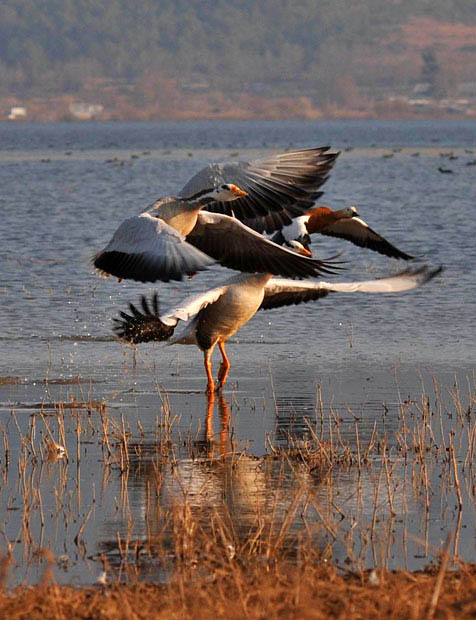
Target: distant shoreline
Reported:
[(188, 119), (64, 108)]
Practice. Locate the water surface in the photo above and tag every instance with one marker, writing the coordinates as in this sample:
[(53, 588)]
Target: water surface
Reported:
[(66, 187)]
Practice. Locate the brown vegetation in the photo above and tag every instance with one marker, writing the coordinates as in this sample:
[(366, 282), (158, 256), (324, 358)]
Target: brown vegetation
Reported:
[(311, 590), (190, 60), (364, 88)]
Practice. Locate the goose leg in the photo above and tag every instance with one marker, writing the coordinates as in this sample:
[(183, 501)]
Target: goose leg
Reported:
[(208, 369), (224, 366)]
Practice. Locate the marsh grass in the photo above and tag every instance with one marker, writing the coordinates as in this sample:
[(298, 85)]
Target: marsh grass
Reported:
[(309, 589), (290, 534)]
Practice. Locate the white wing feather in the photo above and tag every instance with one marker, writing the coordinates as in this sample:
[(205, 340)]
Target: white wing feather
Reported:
[(192, 306), (146, 248), (281, 292), (142, 233)]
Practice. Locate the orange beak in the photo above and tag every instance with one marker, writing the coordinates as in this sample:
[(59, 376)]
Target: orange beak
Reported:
[(298, 247), (237, 191)]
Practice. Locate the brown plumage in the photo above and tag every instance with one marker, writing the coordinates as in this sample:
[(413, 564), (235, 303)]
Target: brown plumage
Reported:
[(321, 218), (342, 223)]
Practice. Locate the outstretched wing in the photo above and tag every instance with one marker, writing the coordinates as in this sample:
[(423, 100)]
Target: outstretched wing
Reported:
[(287, 183), (280, 292), (148, 325), (359, 232), (234, 245), (146, 249)]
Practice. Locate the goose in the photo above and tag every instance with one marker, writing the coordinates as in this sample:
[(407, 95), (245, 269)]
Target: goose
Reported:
[(181, 235), (286, 183), (218, 314), (342, 223)]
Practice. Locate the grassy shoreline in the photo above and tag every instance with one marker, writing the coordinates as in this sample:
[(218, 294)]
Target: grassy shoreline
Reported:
[(222, 533), (312, 590)]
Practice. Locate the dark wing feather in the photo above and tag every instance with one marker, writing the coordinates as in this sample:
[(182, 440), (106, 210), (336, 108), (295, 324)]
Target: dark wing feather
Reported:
[(286, 183), (274, 298), (142, 326), (236, 246), (359, 233)]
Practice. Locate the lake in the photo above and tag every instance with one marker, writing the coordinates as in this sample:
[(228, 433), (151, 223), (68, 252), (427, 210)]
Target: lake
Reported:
[(356, 361)]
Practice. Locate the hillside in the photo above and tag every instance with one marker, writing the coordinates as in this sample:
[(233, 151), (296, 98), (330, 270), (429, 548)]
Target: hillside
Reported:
[(241, 55)]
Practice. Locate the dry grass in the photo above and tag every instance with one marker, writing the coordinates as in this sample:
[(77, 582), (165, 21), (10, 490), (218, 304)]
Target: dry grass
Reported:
[(310, 590)]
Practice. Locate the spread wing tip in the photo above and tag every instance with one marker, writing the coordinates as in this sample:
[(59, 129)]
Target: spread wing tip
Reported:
[(142, 325), (140, 268), (427, 273)]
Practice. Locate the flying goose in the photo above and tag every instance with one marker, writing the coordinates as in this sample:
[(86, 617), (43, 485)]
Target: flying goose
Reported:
[(175, 237), (185, 234), (286, 183), (343, 223), (219, 313)]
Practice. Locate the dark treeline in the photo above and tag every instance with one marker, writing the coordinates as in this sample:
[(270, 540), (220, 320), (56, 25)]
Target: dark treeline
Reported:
[(53, 45)]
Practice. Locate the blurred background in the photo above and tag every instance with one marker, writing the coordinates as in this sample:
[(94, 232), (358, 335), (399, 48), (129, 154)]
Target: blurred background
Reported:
[(202, 59)]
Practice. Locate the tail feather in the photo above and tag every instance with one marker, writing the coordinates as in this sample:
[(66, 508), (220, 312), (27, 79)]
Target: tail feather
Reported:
[(144, 326)]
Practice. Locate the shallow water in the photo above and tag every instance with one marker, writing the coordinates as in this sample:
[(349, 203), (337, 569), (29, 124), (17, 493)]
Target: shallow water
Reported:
[(65, 188)]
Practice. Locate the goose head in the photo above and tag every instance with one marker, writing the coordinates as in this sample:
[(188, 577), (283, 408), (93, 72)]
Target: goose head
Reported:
[(220, 193), (298, 247), (227, 192)]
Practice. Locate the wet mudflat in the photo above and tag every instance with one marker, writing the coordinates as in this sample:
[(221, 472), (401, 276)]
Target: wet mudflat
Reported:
[(345, 436)]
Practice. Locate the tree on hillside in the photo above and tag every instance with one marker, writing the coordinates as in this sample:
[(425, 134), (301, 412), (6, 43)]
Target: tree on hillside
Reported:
[(433, 74), (57, 45)]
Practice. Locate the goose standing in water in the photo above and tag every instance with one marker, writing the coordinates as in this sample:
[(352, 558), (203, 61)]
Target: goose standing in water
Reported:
[(218, 314), (343, 223), (182, 235)]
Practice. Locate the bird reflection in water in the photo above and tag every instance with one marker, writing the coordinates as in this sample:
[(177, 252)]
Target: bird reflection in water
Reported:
[(215, 486), (227, 480), (213, 441)]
